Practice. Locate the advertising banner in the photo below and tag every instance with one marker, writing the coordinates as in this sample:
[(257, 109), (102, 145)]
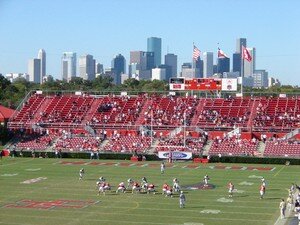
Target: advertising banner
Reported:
[(174, 155)]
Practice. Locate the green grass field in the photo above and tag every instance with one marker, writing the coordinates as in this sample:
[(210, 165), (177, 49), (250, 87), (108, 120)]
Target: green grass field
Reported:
[(26, 204)]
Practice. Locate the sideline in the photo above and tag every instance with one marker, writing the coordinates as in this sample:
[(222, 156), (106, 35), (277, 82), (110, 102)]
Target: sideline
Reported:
[(289, 216)]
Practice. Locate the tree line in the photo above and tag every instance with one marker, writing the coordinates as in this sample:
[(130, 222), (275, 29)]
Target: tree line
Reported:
[(11, 94)]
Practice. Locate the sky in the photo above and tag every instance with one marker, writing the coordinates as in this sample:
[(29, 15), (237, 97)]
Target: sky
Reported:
[(105, 28)]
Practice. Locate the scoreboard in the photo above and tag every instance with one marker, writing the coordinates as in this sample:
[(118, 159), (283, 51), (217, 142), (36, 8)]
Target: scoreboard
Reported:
[(202, 84)]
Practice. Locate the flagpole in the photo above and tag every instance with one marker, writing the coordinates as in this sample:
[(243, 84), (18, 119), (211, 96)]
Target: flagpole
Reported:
[(242, 72), (193, 64)]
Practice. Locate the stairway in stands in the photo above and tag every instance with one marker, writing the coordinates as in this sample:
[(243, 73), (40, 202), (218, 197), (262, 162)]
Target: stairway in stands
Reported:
[(253, 113), (199, 109), (140, 119)]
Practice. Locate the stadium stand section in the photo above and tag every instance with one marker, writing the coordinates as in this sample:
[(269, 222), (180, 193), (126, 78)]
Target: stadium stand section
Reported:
[(123, 123)]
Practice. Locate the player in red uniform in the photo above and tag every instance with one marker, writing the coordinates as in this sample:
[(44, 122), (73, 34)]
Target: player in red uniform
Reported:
[(262, 191)]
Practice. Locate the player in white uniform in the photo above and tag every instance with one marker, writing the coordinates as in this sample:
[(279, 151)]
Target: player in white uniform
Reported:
[(182, 200), (230, 189), (100, 181), (263, 182), (129, 183), (282, 207), (144, 184), (162, 167), (81, 173), (121, 188), (205, 180), (176, 185)]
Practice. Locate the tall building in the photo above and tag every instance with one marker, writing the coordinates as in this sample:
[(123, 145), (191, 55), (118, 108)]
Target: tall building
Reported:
[(168, 72), (239, 43), (99, 68), (147, 61), (141, 64), (236, 62), (42, 57), (136, 57), (158, 74), (34, 71), (260, 78), (208, 64), (68, 65), (119, 66), (171, 60), (199, 68), (15, 76), (223, 65), (154, 45), (135, 62), (188, 71), (87, 67), (249, 67)]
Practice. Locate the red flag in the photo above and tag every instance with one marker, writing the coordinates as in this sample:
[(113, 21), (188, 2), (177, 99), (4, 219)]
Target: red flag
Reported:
[(246, 54), (196, 53), (221, 54)]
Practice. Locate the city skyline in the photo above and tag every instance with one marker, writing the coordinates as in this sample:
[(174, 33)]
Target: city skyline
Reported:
[(273, 34)]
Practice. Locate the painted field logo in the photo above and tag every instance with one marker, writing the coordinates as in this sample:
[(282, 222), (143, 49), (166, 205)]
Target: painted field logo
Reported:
[(225, 200), (31, 181), (254, 177), (210, 211), (246, 183), (9, 174), (75, 204), (191, 223), (238, 191), (199, 186), (32, 170)]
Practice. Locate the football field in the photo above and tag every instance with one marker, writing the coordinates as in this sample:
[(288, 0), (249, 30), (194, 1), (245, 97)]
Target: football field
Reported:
[(48, 192)]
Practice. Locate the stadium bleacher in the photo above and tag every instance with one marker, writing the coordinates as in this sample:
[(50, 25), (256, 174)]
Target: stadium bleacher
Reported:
[(162, 114)]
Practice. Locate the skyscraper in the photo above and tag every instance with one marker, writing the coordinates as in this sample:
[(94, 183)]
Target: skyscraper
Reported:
[(260, 78), (236, 62), (118, 64), (34, 71), (223, 65), (239, 43), (199, 68), (42, 57), (136, 57), (249, 67), (87, 67), (99, 68), (147, 61), (154, 45), (171, 60), (68, 65), (208, 64)]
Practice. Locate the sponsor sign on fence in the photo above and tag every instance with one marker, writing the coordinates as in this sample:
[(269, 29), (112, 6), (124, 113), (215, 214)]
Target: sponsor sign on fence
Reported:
[(174, 155)]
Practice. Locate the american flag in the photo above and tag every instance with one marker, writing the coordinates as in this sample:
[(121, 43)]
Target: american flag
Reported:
[(246, 54), (196, 53)]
